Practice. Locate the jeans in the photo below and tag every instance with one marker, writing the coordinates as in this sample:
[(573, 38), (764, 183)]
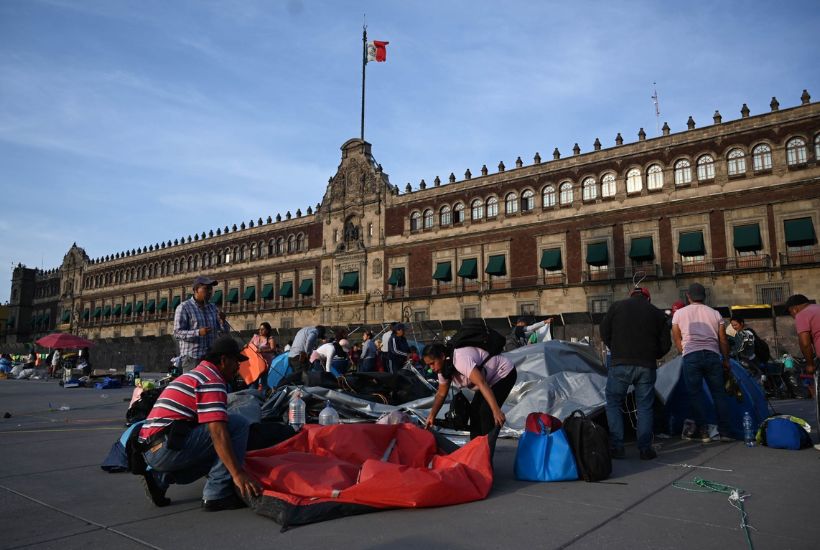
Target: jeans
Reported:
[(198, 458), (618, 380), (697, 367), (367, 364)]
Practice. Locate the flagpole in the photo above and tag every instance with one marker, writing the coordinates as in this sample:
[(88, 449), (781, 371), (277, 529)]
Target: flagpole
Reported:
[(364, 64)]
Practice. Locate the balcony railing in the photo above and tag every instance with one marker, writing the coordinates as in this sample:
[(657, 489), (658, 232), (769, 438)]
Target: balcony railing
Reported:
[(735, 263), (802, 257)]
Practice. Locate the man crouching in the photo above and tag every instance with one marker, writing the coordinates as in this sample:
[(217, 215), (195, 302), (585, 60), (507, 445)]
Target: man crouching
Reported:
[(189, 434)]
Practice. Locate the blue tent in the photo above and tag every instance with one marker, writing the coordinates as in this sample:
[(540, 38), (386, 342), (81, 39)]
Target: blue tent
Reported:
[(279, 369)]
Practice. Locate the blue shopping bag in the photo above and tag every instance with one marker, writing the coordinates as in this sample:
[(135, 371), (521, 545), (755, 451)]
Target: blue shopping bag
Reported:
[(544, 455)]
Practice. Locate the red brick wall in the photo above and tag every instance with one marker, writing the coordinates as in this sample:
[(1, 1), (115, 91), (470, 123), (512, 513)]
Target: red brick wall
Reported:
[(666, 247)]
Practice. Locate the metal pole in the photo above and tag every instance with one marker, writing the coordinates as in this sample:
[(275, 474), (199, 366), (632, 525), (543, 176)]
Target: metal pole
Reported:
[(364, 64)]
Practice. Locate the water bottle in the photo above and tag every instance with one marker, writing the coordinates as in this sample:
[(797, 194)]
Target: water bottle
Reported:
[(328, 415), (296, 411), (748, 430), (788, 362)]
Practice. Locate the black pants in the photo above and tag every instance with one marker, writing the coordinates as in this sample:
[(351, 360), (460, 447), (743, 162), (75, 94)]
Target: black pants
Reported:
[(481, 415)]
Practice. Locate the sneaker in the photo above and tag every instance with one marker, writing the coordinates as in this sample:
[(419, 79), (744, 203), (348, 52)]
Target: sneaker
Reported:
[(648, 454), (153, 491), (232, 502), (618, 453), (704, 435)]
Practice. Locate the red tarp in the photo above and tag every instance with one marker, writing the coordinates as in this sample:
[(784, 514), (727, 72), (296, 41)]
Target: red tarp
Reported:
[(332, 471)]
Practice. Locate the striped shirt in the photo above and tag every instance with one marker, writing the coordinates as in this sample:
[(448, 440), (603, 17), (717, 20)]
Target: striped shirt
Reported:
[(199, 396), (189, 317)]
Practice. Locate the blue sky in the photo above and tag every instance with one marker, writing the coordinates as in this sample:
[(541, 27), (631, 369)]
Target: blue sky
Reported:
[(125, 123)]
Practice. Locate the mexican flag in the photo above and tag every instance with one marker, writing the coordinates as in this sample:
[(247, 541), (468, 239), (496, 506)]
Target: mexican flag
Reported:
[(377, 51)]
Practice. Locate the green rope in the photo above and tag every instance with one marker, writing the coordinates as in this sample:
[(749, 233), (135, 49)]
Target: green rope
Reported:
[(736, 498)]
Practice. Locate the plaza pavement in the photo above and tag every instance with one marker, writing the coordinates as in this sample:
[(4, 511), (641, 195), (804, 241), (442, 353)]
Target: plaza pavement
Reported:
[(53, 494)]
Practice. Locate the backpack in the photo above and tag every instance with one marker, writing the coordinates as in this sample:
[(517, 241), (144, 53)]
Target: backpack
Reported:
[(762, 351), (474, 333), (142, 406), (590, 446)]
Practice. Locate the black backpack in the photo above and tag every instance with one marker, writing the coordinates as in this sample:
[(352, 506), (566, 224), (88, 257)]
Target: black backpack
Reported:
[(142, 406), (762, 351), (590, 446), (474, 333)]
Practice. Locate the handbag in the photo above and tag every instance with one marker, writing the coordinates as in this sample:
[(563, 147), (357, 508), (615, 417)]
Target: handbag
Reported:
[(544, 453)]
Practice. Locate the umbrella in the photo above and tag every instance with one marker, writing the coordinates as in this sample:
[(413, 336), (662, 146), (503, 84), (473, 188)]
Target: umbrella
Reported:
[(62, 340)]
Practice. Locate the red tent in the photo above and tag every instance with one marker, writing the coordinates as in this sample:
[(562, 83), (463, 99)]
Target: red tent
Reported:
[(325, 472), (62, 340)]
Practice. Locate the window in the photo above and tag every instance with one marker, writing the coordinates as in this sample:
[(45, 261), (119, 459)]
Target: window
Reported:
[(527, 308), (706, 168), (565, 193), (291, 243), (654, 178), (300, 242), (420, 315), (527, 201), (280, 243), (470, 312), (589, 189), (736, 162), (241, 253), (772, 293), (683, 172), (548, 196), (458, 213), (427, 219), (633, 181), (415, 221), (796, 151), (444, 215), (492, 207), (817, 147), (599, 304), (477, 210), (608, 186), (762, 157), (511, 203)]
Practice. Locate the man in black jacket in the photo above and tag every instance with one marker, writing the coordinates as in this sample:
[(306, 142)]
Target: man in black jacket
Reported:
[(636, 333)]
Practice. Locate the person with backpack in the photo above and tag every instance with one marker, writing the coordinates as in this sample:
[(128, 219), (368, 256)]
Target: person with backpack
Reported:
[(747, 346), (398, 349), (335, 356), (492, 377), (636, 333)]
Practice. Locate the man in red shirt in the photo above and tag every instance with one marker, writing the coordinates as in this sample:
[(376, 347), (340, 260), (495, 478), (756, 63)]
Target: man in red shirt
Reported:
[(189, 434)]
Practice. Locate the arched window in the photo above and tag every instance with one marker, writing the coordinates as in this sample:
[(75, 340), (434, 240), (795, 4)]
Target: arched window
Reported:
[(427, 219), (252, 249), (291, 243), (477, 210), (511, 203), (176, 267), (458, 213), (210, 259), (589, 189), (144, 272), (565, 193), (706, 168), (227, 255), (633, 181), (548, 196), (736, 162), (683, 172), (444, 215), (190, 264), (196, 263), (654, 178), (415, 221), (280, 245), (243, 251), (796, 151), (528, 200), (300, 242), (817, 147), (271, 247), (761, 157), (608, 185), (492, 207)]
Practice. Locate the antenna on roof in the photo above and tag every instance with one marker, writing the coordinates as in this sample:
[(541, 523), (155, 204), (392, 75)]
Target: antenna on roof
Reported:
[(657, 109)]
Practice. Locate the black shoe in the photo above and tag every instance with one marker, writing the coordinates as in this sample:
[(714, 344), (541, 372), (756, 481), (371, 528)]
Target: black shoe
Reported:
[(153, 491), (617, 453), (648, 454), (232, 502)]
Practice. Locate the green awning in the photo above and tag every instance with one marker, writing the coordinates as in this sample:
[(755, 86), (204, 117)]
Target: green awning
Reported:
[(250, 294), (551, 259), (396, 277), (138, 307), (641, 249), (175, 302), (306, 287), (189, 296), (468, 269), (267, 291), (86, 314), (691, 244), (800, 232), (217, 297), (444, 272), (97, 312), (286, 290), (128, 307), (107, 311), (117, 310), (163, 304), (350, 281), (151, 306), (66, 316), (747, 238), (233, 296), (10, 322), (496, 265), (597, 254)]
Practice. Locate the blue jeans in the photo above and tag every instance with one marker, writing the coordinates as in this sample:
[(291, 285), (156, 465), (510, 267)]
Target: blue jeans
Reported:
[(697, 367), (198, 458), (367, 364), (618, 380)]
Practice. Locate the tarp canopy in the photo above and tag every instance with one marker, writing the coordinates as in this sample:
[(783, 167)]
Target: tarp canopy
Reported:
[(306, 287)]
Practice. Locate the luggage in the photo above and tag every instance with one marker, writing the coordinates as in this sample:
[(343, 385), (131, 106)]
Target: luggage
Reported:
[(544, 454), (784, 432), (590, 446)]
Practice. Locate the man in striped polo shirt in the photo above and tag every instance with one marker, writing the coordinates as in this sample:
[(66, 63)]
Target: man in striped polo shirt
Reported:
[(189, 434)]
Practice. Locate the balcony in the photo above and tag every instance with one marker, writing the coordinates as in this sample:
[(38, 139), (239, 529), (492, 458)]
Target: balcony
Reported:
[(735, 263), (809, 256)]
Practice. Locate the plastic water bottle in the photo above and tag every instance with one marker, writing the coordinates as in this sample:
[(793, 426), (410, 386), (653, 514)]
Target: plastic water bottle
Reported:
[(328, 415), (296, 411), (748, 430)]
